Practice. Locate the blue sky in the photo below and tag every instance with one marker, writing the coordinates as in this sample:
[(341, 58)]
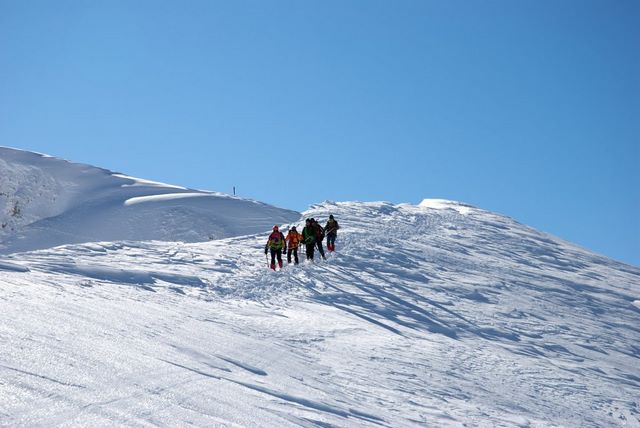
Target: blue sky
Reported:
[(526, 108)]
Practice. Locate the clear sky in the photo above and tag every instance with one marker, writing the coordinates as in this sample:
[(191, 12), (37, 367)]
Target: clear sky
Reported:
[(527, 108)]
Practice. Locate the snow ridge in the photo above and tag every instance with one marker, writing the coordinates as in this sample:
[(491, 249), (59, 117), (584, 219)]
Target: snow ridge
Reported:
[(46, 202)]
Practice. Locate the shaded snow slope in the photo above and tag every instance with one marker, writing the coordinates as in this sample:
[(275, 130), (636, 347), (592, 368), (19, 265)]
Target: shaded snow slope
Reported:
[(46, 202), (433, 315)]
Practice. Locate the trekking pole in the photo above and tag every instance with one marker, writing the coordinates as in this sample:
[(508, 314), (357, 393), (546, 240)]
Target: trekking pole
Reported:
[(267, 258)]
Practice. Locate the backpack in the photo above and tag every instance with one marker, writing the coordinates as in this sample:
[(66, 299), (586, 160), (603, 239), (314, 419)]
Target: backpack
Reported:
[(319, 231), (276, 240), (293, 239), (331, 226)]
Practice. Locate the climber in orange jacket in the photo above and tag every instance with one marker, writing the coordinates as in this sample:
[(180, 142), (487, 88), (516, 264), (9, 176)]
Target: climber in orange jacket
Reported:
[(293, 240)]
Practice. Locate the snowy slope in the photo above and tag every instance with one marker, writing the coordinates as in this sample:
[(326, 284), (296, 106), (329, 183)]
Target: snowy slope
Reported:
[(46, 202), (439, 314)]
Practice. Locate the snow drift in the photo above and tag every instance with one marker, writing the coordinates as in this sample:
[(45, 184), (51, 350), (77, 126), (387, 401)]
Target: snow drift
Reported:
[(437, 314), (46, 202)]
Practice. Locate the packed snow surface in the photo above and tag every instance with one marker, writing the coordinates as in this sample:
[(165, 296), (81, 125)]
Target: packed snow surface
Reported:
[(423, 317), (438, 314)]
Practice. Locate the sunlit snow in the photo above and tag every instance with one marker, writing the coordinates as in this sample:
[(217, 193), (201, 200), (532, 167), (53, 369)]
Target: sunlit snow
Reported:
[(437, 314), (134, 181), (166, 197)]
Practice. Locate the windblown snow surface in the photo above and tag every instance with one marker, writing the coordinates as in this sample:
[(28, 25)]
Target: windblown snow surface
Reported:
[(45, 201), (437, 314)]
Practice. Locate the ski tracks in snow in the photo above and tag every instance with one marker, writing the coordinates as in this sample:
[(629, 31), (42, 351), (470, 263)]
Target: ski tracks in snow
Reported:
[(426, 315)]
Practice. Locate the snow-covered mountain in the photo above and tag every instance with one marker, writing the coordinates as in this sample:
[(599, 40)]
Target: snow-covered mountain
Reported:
[(45, 201), (437, 314)]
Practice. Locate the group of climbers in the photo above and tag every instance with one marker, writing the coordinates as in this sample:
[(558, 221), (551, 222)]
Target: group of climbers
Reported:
[(312, 236)]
